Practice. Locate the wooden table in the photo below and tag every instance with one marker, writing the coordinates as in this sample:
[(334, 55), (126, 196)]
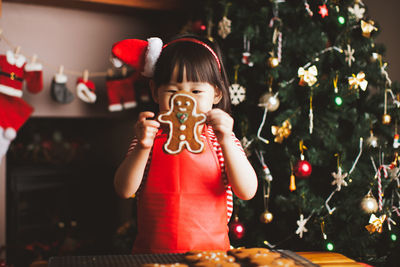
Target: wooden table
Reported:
[(329, 259)]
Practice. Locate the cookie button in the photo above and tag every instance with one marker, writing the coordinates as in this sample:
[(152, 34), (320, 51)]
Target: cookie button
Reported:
[(182, 137), (182, 127)]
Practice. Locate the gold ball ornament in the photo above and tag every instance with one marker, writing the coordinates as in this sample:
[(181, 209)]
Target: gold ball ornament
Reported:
[(369, 203), (386, 119), (266, 217), (273, 62), (269, 101)]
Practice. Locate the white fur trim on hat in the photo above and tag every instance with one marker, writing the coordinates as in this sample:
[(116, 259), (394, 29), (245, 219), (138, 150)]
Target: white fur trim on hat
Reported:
[(10, 133), (116, 62), (154, 48)]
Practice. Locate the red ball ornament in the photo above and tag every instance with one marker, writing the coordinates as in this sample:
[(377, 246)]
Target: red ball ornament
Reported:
[(198, 26), (236, 229), (302, 169)]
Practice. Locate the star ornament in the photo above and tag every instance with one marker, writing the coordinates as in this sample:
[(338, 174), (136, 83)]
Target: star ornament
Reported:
[(339, 179), (302, 226), (367, 27), (308, 76), (375, 223), (323, 11), (349, 55), (357, 11), (358, 81)]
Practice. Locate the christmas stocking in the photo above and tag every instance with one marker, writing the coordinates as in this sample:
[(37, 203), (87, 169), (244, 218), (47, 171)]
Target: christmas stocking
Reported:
[(59, 90), (14, 111), (121, 93), (85, 90), (34, 77)]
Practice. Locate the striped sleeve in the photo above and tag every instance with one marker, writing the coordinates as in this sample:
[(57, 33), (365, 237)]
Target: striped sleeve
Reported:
[(218, 150)]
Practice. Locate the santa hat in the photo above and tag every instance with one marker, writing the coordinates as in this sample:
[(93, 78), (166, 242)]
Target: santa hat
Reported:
[(141, 55)]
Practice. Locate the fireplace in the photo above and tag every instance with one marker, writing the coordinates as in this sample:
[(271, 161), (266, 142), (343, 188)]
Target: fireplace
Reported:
[(60, 195)]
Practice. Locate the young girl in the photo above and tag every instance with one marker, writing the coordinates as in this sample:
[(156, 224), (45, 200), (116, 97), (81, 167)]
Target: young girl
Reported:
[(185, 200)]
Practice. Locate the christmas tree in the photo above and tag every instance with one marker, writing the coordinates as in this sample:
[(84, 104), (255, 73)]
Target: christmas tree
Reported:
[(317, 114)]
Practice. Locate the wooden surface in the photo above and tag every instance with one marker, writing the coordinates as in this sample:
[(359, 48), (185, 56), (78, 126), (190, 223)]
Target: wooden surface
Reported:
[(329, 259)]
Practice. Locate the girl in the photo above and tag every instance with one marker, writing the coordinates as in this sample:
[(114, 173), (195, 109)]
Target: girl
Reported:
[(185, 200)]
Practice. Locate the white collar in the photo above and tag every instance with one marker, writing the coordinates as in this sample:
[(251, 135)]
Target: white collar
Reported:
[(13, 59)]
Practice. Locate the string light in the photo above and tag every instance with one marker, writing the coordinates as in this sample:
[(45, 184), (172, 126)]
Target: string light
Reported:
[(341, 20), (329, 246), (393, 237), (338, 101)]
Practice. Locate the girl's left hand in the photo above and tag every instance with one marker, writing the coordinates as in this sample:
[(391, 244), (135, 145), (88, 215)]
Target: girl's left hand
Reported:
[(222, 124)]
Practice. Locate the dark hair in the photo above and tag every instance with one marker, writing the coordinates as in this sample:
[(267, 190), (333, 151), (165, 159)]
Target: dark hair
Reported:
[(199, 63)]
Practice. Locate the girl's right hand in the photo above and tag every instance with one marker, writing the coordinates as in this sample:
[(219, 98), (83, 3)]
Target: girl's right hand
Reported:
[(146, 129)]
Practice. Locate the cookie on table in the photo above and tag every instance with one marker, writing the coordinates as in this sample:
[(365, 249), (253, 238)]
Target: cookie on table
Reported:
[(212, 255), (243, 253), (164, 265)]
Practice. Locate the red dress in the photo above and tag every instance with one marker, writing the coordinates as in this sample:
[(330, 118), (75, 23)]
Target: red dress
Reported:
[(182, 205)]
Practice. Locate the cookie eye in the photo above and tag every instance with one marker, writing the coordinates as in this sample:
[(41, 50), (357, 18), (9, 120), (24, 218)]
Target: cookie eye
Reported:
[(187, 103), (178, 103)]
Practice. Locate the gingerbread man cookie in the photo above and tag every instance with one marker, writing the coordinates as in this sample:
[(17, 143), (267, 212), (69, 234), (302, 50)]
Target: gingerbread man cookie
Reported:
[(183, 122)]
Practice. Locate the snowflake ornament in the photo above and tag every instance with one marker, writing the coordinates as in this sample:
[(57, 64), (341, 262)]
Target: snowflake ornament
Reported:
[(357, 11), (224, 27), (349, 55), (339, 179), (302, 225), (237, 93)]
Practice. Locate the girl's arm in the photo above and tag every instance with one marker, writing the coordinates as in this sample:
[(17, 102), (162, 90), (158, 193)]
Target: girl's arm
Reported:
[(240, 173), (129, 174)]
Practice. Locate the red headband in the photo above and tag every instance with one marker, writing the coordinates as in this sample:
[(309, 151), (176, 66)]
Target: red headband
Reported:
[(193, 40)]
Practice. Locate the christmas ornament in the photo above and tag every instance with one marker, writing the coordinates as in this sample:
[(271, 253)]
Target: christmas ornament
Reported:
[(339, 179), (85, 89), (396, 141), (269, 101), (273, 62), (266, 217), (302, 225), (236, 91), (302, 169), (246, 52), (358, 81), (367, 27), (369, 203), (281, 132), (120, 90), (58, 90), (375, 223), (349, 55), (198, 26), (307, 76), (386, 119), (356, 11), (292, 185), (323, 11), (236, 229), (224, 27), (372, 140)]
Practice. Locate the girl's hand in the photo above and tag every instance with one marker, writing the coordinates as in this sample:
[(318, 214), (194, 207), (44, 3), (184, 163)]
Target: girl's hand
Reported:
[(146, 129), (221, 123)]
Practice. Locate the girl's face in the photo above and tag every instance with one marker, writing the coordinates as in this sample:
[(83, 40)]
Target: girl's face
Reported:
[(206, 95)]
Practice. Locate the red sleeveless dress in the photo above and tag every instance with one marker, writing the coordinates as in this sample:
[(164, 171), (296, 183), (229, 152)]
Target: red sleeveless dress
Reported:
[(182, 205)]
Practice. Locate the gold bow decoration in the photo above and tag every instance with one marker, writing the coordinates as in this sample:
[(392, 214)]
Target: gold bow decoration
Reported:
[(375, 223), (281, 132), (308, 76), (358, 81), (367, 27)]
